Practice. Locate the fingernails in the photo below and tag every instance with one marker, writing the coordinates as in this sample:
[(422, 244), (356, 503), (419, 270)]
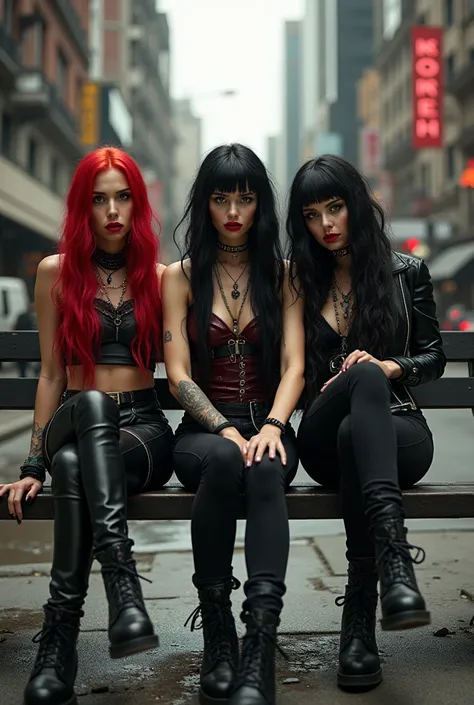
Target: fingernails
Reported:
[(18, 521), (29, 499), (258, 458), (248, 463)]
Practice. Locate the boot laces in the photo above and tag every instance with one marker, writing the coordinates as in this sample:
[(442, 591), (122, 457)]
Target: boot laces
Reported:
[(395, 560), (359, 612), (125, 584), (218, 623), (255, 663), (52, 640)]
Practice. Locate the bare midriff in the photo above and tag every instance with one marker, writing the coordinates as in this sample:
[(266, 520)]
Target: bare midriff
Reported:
[(111, 378)]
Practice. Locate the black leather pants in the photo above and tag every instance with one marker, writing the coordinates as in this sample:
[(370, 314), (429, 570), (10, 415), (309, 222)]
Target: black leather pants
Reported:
[(98, 453)]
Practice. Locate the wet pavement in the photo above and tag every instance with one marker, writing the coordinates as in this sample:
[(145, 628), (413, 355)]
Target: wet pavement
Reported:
[(419, 668)]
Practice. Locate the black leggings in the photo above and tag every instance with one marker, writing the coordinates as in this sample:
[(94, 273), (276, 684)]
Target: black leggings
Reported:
[(213, 467), (350, 440), (98, 453)]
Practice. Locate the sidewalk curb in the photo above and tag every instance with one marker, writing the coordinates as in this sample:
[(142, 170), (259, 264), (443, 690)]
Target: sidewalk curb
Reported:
[(15, 428)]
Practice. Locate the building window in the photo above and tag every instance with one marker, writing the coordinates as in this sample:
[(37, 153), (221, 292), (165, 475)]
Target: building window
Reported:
[(55, 174), (61, 75), (449, 12), (450, 163), (8, 15), (38, 44), (32, 157), (7, 135), (425, 179), (449, 69)]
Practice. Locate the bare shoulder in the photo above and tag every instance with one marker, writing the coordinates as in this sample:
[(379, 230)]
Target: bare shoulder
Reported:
[(160, 268), (49, 267), (174, 273)]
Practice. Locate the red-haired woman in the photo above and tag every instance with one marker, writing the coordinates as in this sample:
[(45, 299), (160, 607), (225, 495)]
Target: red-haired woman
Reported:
[(98, 427)]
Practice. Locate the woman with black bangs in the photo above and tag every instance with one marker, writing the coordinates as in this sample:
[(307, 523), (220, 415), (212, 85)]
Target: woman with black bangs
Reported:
[(371, 333), (234, 353)]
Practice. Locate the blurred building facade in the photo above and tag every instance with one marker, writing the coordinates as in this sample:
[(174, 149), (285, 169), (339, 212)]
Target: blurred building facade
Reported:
[(44, 61), (337, 46), (188, 152), (130, 71), (292, 101), (425, 181)]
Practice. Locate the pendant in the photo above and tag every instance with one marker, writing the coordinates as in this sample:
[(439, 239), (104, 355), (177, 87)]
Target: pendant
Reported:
[(234, 255), (235, 293), (335, 363), (118, 321), (109, 279)]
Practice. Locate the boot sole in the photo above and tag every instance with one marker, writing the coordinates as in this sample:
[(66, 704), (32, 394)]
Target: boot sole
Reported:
[(207, 700), (405, 620), (134, 646), (367, 680)]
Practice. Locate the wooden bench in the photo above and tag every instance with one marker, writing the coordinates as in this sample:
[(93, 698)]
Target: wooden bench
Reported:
[(304, 502)]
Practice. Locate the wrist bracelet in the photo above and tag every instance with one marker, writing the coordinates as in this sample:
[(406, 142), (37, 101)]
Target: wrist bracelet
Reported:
[(222, 426), (33, 472), (275, 422)]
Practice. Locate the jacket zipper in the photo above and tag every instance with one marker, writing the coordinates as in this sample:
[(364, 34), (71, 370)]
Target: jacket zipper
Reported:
[(411, 404)]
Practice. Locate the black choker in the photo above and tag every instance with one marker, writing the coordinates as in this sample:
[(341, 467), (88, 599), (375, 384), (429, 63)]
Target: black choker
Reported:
[(233, 249), (109, 261), (342, 252)]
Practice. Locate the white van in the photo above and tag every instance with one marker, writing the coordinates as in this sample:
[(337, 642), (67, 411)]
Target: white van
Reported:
[(14, 300)]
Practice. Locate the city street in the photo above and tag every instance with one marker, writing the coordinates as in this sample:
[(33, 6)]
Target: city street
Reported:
[(310, 624)]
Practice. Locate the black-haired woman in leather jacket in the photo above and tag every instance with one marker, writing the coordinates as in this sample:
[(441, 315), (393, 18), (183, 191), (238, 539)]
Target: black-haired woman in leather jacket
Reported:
[(371, 334)]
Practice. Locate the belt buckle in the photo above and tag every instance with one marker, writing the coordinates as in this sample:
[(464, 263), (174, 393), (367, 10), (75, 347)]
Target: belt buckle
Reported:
[(115, 396)]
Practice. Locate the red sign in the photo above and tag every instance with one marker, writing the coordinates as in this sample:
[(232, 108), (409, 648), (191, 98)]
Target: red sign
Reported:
[(428, 86), (467, 177)]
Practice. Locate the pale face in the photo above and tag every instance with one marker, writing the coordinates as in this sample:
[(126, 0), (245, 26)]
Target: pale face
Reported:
[(232, 215), (328, 223), (111, 215)]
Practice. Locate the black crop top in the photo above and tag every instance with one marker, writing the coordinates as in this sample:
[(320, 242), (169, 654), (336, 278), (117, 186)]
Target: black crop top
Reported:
[(115, 346)]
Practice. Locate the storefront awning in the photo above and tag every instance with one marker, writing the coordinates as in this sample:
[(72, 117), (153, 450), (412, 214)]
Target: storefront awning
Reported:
[(447, 264)]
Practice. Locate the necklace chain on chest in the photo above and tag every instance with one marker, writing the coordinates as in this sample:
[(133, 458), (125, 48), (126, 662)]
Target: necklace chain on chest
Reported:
[(103, 289)]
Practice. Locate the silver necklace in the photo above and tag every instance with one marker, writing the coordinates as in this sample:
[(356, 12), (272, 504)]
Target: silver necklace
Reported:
[(235, 286), (118, 316)]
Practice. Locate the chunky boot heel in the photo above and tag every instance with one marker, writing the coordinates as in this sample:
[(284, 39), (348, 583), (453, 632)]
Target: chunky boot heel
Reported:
[(221, 646), (403, 606), (54, 673), (359, 662), (130, 628)]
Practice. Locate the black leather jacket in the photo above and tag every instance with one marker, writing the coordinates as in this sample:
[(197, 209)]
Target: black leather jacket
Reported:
[(417, 345)]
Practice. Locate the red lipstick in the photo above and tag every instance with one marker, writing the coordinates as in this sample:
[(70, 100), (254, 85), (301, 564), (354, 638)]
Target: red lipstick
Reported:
[(233, 226), (331, 237), (114, 227)]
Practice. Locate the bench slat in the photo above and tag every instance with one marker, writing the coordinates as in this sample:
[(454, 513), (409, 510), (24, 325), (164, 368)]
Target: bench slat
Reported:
[(445, 393), (426, 501), (24, 345)]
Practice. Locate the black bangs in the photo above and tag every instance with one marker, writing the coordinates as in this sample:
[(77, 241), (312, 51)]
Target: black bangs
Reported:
[(320, 183), (232, 173)]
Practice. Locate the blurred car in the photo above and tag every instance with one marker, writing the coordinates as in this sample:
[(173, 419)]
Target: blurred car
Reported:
[(453, 316)]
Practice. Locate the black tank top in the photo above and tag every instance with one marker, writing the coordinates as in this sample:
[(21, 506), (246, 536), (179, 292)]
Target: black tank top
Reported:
[(115, 345)]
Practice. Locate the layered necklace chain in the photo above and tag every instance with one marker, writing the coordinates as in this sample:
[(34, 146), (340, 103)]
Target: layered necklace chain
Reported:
[(109, 263), (118, 317), (235, 282), (235, 319), (345, 304)]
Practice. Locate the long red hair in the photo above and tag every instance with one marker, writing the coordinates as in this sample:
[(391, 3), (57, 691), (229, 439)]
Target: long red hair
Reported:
[(79, 328)]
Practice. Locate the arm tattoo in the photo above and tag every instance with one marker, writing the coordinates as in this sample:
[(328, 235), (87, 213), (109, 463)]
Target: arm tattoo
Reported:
[(168, 336), (195, 402), (36, 449)]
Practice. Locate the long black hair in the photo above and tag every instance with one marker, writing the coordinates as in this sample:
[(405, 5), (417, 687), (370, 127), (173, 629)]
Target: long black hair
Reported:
[(373, 320), (227, 169)]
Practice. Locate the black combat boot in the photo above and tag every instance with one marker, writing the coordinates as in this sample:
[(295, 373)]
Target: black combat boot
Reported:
[(52, 678), (359, 662), (221, 647), (130, 627), (403, 607), (256, 679)]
